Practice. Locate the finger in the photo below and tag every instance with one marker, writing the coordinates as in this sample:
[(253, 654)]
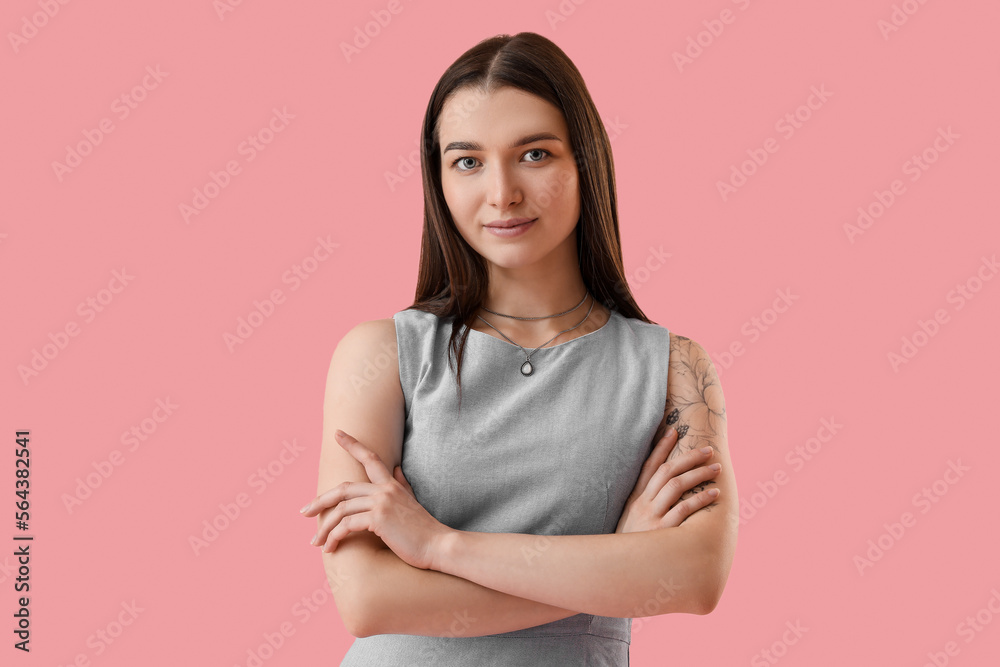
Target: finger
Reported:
[(377, 472), (398, 474), (332, 518), (354, 522), (682, 510), (679, 465), (681, 484), (342, 491), (656, 458)]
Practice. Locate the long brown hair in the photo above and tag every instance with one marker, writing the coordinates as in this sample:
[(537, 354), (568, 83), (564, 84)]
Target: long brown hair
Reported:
[(452, 280)]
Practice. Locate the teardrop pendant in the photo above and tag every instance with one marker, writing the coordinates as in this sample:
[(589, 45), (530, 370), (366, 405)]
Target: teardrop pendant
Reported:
[(526, 368)]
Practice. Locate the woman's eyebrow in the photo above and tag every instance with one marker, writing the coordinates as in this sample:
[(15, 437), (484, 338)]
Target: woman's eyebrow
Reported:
[(473, 146)]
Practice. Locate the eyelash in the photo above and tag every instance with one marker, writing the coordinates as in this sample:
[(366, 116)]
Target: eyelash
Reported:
[(467, 157)]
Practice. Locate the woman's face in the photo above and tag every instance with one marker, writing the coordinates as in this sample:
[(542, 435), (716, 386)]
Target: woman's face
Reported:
[(486, 177)]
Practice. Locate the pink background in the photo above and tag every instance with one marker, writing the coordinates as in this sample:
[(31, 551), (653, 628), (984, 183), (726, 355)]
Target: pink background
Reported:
[(676, 133)]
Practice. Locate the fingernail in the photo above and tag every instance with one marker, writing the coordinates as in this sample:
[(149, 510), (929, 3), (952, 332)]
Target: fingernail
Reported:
[(706, 450), (713, 492), (671, 432), (304, 508), (715, 466), (313, 540)]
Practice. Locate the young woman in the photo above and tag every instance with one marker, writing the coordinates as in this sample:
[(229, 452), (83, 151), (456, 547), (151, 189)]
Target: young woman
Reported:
[(547, 463)]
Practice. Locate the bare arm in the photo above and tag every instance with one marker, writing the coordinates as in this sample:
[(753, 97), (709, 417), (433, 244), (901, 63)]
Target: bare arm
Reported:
[(616, 574), (375, 591), (696, 408)]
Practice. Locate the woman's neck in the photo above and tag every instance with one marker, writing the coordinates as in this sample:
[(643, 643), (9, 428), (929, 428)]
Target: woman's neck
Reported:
[(532, 333)]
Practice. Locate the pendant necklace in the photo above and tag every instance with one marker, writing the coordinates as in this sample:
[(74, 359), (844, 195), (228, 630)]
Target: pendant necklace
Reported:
[(526, 368)]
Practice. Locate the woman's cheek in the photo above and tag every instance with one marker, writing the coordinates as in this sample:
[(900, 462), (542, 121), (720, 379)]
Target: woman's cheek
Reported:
[(556, 191)]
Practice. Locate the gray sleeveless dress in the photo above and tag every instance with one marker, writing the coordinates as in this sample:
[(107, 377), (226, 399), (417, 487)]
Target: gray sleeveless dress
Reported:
[(554, 453)]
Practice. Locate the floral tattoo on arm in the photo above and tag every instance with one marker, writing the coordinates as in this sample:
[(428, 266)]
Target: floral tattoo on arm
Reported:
[(695, 406)]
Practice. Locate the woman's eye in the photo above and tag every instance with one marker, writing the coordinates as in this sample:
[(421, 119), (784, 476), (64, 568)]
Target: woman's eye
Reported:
[(541, 151)]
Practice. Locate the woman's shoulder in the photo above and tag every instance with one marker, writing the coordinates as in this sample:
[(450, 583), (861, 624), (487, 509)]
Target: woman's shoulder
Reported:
[(381, 328), (370, 336), (414, 322), (675, 340), (651, 330), (381, 334), (414, 315)]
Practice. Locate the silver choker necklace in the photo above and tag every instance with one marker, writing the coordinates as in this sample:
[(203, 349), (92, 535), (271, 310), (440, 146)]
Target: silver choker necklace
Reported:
[(540, 317), (526, 368)]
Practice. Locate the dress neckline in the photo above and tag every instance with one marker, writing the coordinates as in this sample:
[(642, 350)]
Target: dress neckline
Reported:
[(611, 314)]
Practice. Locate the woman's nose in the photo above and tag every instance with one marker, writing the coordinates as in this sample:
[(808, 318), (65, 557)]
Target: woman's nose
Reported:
[(504, 189)]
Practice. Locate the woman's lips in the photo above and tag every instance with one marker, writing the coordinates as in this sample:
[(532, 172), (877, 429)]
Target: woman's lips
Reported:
[(509, 232)]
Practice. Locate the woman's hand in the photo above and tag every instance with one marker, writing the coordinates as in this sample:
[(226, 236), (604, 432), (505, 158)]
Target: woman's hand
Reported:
[(653, 502), (386, 506)]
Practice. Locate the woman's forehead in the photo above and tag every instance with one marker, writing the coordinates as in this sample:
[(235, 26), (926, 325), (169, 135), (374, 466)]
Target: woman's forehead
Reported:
[(500, 117)]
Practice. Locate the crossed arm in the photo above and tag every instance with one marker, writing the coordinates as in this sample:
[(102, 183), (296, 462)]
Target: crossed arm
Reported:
[(486, 583)]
